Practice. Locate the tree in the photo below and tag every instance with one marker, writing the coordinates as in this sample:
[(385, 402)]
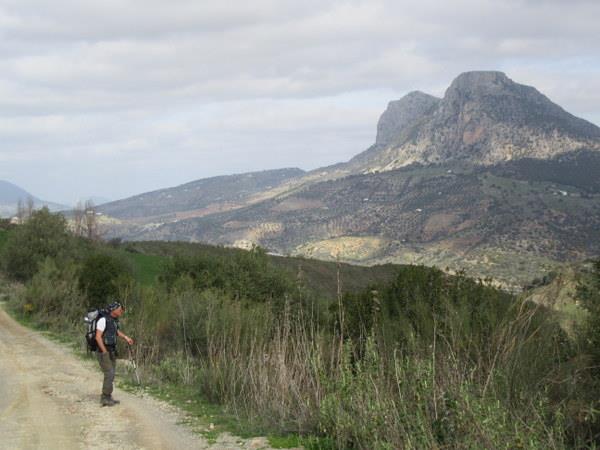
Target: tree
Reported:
[(30, 206), (91, 224), (20, 211), (101, 276), (78, 219), (43, 235)]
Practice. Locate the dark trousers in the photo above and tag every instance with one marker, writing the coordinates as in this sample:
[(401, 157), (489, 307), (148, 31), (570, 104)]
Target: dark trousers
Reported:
[(108, 364)]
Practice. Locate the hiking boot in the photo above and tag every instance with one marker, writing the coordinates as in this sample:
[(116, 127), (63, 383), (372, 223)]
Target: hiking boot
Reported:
[(115, 401), (107, 401)]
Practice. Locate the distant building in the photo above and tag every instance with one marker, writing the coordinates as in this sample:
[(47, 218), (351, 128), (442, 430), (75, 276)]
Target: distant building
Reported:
[(244, 244), (15, 220)]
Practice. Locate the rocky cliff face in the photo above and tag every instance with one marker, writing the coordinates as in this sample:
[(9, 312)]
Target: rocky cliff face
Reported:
[(401, 114), (484, 118)]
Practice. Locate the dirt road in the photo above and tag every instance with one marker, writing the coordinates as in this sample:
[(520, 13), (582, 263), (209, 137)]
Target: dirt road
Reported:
[(49, 399)]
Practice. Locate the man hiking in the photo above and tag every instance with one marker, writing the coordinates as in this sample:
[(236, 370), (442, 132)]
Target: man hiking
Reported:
[(107, 330)]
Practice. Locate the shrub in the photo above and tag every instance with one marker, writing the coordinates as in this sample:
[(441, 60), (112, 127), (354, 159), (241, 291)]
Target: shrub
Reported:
[(101, 275), (52, 297), (243, 275), (43, 235), (585, 407), (589, 295)]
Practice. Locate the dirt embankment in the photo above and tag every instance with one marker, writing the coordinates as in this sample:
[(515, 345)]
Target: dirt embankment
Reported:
[(49, 399)]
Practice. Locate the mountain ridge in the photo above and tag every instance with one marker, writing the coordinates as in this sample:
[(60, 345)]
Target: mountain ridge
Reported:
[(199, 194), (488, 220), (493, 177), (483, 118), (10, 194)]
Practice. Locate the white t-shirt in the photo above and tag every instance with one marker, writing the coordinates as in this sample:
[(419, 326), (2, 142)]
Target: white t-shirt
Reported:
[(101, 324)]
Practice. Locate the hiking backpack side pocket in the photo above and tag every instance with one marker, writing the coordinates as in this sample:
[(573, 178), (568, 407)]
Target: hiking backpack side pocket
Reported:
[(90, 320)]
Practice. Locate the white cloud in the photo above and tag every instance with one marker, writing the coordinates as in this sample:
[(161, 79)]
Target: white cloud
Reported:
[(126, 85)]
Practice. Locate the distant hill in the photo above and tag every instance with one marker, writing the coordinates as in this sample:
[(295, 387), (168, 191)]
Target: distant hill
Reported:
[(96, 200), (487, 220), (201, 197), (494, 178), (10, 194)]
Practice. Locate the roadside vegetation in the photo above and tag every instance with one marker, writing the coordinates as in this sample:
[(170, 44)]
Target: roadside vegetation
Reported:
[(415, 359)]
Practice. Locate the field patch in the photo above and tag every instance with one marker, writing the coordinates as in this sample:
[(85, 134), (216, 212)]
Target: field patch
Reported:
[(347, 248)]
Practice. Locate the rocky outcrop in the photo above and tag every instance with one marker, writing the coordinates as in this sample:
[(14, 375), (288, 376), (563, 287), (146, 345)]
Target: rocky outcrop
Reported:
[(401, 114), (484, 118)]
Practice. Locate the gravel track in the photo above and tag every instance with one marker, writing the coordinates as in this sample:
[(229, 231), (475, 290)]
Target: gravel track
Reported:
[(49, 399)]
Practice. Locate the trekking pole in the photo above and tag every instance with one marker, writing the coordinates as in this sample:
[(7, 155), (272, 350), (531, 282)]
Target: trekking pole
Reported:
[(134, 364)]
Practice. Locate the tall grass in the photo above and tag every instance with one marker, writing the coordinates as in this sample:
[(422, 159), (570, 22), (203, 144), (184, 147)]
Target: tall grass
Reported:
[(284, 369), (429, 361)]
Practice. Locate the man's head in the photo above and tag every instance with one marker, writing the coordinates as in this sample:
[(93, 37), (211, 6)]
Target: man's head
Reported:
[(115, 309)]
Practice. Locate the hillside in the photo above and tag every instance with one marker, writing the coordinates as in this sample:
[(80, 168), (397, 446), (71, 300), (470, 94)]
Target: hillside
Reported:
[(10, 194), (391, 351), (320, 277), (493, 178), (491, 221), (199, 198), (558, 290)]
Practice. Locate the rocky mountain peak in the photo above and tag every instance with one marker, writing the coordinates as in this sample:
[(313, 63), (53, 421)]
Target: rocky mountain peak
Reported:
[(493, 98), (496, 96), (402, 113), (480, 82), (484, 118)]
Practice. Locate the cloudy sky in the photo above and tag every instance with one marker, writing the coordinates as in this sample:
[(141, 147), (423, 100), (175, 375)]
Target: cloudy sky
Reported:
[(111, 98)]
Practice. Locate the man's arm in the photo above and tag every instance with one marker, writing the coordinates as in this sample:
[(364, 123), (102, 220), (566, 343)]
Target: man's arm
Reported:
[(124, 336), (100, 341)]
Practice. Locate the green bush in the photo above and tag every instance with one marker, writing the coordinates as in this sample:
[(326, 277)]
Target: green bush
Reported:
[(4, 224), (243, 275), (421, 403), (584, 403), (101, 275), (52, 297), (43, 235), (588, 294), (3, 238)]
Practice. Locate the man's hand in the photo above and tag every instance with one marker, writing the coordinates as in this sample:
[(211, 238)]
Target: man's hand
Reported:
[(125, 337)]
